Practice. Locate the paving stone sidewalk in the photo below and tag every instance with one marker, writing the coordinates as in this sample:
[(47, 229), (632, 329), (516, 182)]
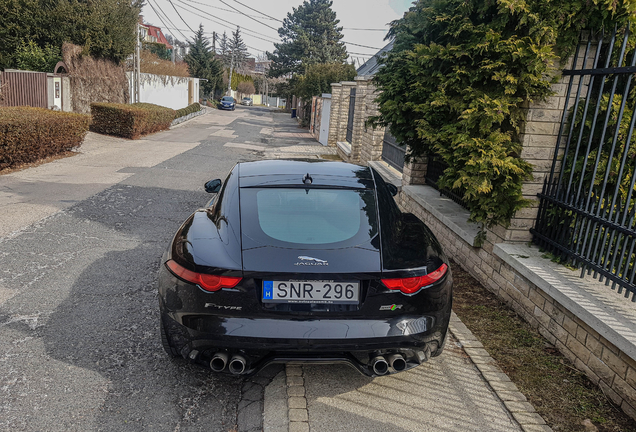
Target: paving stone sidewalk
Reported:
[(462, 390)]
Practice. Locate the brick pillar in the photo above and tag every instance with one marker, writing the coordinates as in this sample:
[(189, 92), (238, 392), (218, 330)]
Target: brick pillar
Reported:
[(539, 140), (414, 171), (359, 119), (371, 141), (334, 115)]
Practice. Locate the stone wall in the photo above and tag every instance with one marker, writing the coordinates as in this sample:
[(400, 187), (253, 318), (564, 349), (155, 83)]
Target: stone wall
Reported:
[(334, 116), (607, 365), (590, 328), (366, 142), (316, 116)]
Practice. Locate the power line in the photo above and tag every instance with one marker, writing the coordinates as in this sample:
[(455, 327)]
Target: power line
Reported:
[(250, 47), (271, 40), (363, 46), (253, 19), (184, 21), (224, 24), (361, 29), (168, 19), (223, 9), (264, 14)]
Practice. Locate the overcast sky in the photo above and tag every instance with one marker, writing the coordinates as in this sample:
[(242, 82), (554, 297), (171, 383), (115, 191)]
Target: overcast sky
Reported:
[(372, 16)]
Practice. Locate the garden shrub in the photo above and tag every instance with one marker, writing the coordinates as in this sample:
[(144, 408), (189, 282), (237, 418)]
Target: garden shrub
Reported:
[(130, 120), (195, 107), (458, 79), (29, 134)]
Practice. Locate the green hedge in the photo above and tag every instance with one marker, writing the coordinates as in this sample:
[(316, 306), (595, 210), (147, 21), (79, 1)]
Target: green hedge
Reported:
[(195, 107), (458, 79), (130, 120), (29, 134)]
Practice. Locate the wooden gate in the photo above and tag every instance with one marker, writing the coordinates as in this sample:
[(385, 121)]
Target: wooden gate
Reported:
[(22, 88)]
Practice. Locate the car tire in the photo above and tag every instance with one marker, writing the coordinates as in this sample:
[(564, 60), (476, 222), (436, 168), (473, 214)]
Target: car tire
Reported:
[(165, 341)]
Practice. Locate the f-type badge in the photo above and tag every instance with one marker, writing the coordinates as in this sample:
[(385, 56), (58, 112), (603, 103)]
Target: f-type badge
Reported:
[(310, 261)]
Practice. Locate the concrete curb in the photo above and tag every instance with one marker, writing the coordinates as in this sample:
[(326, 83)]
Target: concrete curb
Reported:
[(515, 402), (185, 118)]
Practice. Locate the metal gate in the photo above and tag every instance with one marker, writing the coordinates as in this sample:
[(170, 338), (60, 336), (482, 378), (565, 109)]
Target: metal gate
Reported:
[(392, 152), (22, 88), (352, 112), (435, 167), (587, 210)]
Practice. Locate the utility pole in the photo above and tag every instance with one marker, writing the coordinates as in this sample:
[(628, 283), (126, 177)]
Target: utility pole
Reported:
[(137, 71), (214, 42), (229, 84)]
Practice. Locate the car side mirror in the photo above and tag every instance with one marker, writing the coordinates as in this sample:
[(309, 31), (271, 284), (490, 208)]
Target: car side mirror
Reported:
[(392, 188), (213, 186)]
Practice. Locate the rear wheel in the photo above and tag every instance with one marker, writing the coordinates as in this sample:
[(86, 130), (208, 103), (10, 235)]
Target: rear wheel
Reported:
[(165, 341)]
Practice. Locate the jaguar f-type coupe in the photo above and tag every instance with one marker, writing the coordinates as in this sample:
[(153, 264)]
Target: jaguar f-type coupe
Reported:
[(301, 262)]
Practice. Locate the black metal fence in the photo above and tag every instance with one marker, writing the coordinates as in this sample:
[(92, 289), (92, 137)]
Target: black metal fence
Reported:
[(587, 212), (434, 170), (392, 152), (352, 111)]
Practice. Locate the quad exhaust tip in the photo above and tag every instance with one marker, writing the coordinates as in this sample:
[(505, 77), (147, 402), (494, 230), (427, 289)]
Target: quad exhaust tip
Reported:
[(237, 365), (219, 361), (397, 362), (379, 365)]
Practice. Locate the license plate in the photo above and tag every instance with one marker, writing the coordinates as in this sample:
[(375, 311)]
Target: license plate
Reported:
[(311, 292)]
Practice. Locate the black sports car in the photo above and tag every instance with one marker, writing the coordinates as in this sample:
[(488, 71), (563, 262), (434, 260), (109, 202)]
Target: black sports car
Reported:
[(304, 261)]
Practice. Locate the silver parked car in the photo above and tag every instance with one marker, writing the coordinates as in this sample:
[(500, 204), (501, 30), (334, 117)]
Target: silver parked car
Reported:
[(247, 101)]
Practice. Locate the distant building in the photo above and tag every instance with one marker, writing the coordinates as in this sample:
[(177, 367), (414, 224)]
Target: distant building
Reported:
[(261, 67), (250, 64), (372, 65), (150, 33)]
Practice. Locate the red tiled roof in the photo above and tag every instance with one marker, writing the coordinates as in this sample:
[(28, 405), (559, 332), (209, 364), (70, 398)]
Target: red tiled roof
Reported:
[(157, 33)]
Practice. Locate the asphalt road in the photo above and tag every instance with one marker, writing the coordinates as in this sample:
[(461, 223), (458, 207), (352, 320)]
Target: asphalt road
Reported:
[(80, 244)]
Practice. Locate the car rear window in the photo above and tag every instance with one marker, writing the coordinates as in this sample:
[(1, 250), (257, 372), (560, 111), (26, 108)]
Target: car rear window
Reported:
[(297, 217)]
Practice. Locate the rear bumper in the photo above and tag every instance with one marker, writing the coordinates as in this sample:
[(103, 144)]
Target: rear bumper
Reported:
[(266, 341), (200, 325)]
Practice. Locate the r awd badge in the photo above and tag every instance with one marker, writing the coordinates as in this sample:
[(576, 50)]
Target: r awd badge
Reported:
[(390, 307)]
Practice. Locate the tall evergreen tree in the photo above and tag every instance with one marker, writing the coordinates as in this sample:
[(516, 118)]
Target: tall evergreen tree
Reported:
[(202, 63), (224, 51), (105, 28), (310, 34), (238, 53), (238, 49)]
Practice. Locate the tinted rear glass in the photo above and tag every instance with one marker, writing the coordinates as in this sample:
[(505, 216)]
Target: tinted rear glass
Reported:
[(306, 218), (227, 99)]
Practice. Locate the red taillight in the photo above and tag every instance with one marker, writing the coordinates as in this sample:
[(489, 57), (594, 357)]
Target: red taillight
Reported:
[(414, 284), (206, 281)]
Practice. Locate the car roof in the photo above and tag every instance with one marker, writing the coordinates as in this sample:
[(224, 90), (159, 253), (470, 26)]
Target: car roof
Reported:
[(281, 172)]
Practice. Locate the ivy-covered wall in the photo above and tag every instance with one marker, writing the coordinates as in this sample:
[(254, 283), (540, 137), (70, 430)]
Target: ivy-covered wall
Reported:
[(460, 76)]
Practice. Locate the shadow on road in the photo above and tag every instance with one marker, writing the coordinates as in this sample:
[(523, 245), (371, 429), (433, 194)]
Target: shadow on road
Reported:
[(109, 322)]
